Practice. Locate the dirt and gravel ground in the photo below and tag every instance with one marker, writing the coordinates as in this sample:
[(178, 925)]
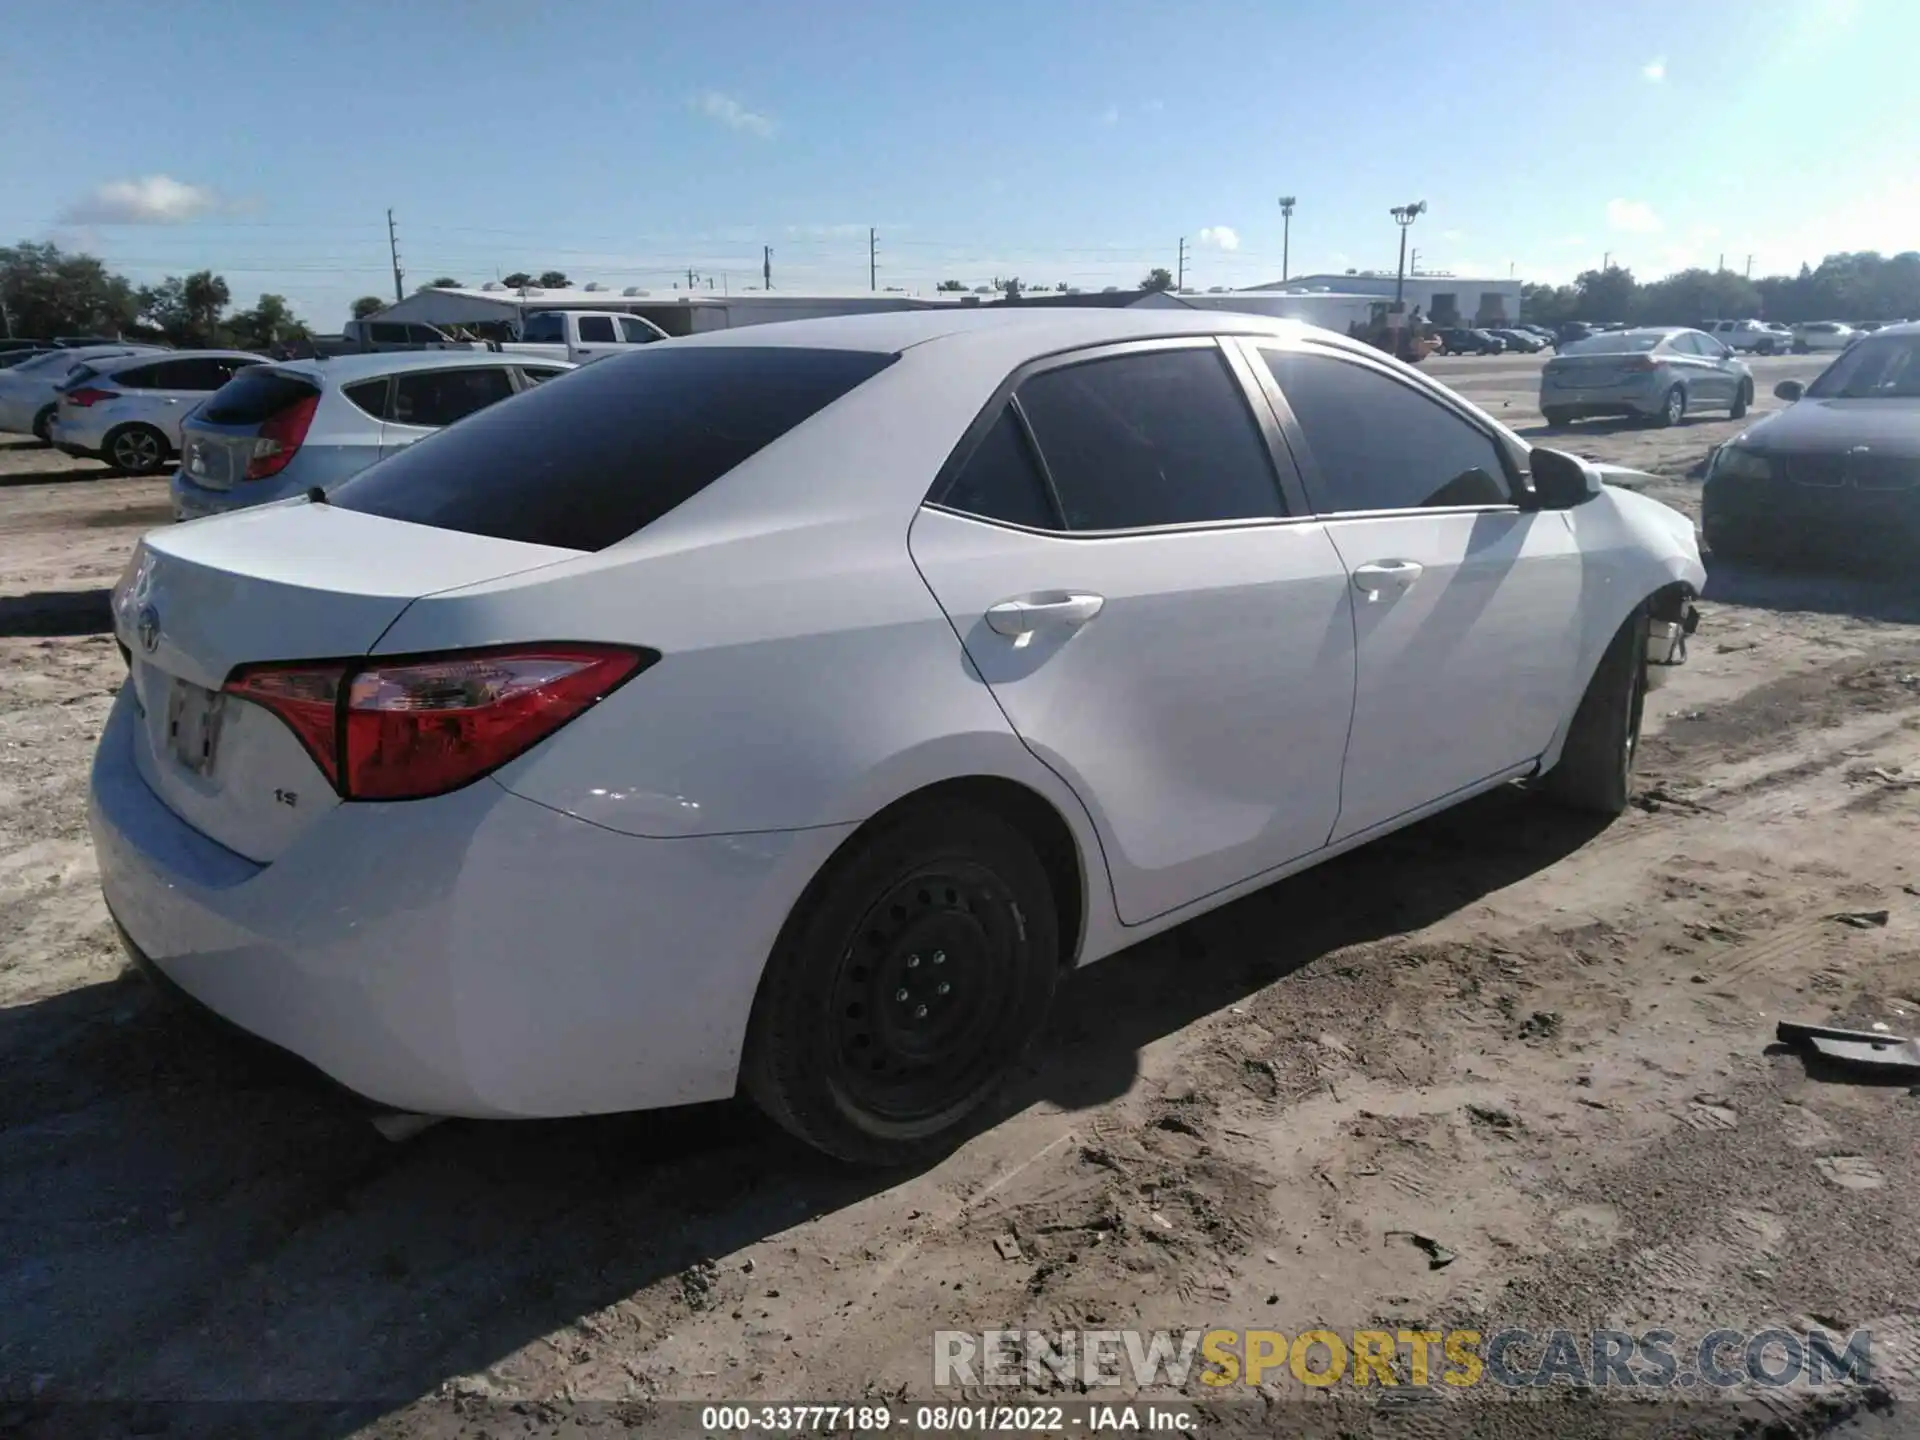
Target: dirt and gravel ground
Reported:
[(1545, 1046)]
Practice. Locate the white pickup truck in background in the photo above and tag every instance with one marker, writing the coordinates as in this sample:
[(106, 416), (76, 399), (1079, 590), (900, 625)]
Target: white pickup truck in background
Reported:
[(581, 336)]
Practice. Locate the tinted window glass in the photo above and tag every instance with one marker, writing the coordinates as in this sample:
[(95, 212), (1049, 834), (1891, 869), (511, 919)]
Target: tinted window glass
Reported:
[(139, 377), (196, 374), (370, 396), (1160, 437), (546, 328), (255, 395), (595, 328), (1381, 445), (585, 464), (636, 332), (440, 397), (1885, 367), (424, 335), (1000, 480), (1614, 342), (387, 333), (534, 374)]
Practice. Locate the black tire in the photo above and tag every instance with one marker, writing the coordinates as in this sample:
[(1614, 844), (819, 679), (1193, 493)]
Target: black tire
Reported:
[(1766, 347), (1595, 772), (1742, 398), (42, 426), (1673, 407), (953, 886), (136, 450), (1558, 419)]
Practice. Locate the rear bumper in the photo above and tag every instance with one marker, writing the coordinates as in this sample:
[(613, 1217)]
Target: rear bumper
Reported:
[(476, 954), (1637, 399)]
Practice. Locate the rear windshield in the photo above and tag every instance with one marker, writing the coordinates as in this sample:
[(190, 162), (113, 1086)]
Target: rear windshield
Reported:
[(1615, 342), (256, 395), (586, 464)]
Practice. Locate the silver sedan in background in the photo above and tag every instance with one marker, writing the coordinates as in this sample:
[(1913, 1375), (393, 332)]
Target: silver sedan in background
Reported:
[(1659, 373)]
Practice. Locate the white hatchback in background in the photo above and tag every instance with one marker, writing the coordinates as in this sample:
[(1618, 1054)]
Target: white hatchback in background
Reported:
[(792, 705), (127, 410), (298, 425), (30, 391), (1752, 337)]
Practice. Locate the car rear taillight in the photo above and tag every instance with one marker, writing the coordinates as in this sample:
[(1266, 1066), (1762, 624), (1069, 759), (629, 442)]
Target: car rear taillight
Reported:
[(280, 437), (407, 728), (87, 395), (1642, 364)]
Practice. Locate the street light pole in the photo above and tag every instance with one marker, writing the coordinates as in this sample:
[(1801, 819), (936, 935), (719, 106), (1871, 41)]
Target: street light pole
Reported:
[(1403, 216), (1286, 234)]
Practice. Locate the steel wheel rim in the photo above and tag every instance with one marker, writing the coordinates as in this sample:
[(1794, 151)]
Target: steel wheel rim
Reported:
[(1676, 406), (135, 451), (922, 986)]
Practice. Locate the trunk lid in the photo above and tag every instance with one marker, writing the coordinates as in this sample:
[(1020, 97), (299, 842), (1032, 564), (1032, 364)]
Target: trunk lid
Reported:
[(220, 438), (1585, 372), (290, 581)]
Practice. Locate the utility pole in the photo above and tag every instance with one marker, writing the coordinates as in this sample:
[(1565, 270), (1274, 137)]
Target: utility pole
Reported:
[(1286, 234), (1722, 266), (1180, 279), (1606, 261), (1413, 265), (873, 258), (689, 277), (393, 249), (1749, 267), (1403, 216), (766, 267)]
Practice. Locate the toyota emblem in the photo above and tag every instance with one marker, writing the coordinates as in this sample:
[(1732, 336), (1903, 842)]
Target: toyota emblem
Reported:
[(147, 626)]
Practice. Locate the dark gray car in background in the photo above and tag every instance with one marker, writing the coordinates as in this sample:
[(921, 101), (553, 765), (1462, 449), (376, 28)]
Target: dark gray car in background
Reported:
[(1836, 475)]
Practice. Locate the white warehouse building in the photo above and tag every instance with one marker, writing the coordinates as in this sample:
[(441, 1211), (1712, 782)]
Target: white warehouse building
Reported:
[(1443, 299)]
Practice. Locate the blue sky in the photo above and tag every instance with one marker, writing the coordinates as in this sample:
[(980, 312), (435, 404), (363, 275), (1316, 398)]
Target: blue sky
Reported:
[(626, 143)]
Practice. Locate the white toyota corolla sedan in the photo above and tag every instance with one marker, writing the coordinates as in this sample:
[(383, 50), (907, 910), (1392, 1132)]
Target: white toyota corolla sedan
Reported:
[(787, 708)]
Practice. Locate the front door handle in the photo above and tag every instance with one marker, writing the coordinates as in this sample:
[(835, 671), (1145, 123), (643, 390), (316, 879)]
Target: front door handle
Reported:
[(1023, 617), (1385, 574)]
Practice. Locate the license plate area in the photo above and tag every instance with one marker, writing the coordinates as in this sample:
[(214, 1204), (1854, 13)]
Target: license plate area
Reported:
[(194, 716)]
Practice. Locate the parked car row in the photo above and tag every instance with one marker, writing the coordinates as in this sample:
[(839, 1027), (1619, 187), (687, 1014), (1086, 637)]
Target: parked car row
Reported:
[(30, 390)]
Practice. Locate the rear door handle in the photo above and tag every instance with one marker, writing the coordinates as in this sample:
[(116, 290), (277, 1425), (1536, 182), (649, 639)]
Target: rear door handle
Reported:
[(1023, 617), (1386, 574)]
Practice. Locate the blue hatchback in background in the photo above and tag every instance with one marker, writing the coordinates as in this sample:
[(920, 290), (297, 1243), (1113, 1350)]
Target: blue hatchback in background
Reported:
[(279, 430)]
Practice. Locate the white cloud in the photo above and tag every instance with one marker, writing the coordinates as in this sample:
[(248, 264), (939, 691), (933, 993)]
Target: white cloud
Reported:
[(1655, 70), (1455, 235), (1222, 237), (150, 200), (732, 114), (1636, 217), (1110, 115)]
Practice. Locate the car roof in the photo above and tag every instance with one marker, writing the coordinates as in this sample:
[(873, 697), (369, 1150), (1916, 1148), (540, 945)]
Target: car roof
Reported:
[(1900, 327), (115, 362), (1013, 334), (345, 369)]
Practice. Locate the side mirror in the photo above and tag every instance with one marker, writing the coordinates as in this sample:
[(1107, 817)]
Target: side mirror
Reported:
[(1561, 481), (1789, 390)]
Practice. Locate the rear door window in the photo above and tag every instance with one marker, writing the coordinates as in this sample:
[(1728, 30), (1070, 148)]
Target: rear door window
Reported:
[(256, 395), (1001, 481), (138, 377), (433, 398), (636, 332), (370, 396), (199, 373), (596, 329), (545, 329), (586, 464), (387, 333), (535, 374), (1157, 437)]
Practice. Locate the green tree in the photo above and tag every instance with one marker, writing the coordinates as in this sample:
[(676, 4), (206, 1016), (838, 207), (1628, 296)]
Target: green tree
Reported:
[(1010, 288), (187, 311), (446, 282), (952, 285), (518, 280), (1548, 304), (1688, 297), (47, 291), (368, 305), (1606, 294), (269, 323), (553, 280), (1158, 278)]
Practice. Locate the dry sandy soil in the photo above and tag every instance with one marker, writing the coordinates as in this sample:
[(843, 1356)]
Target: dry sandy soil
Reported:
[(1543, 1045)]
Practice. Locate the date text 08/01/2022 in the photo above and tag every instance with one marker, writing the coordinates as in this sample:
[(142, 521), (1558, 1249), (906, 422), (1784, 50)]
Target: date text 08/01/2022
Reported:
[(945, 1419)]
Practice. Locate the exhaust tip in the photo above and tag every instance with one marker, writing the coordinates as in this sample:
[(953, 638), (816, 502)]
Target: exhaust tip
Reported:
[(400, 1126)]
